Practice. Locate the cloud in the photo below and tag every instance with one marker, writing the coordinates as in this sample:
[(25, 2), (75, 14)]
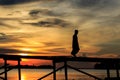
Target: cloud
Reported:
[(10, 22), (10, 2), (4, 38), (91, 3), (51, 22), (82, 12), (50, 44), (6, 50), (58, 50), (111, 21), (88, 3), (94, 5), (55, 48), (85, 3), (6, 25), (39, 12), (15, 51), (86, 13), (112, 47)]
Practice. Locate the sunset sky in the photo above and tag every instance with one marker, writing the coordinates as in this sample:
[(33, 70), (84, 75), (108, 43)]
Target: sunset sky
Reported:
[(45, 27)]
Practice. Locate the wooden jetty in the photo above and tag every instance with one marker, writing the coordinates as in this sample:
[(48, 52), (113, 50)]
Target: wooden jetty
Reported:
[(65, 59)]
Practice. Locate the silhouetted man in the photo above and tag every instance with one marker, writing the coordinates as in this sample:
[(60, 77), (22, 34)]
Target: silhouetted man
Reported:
[(75, 44)]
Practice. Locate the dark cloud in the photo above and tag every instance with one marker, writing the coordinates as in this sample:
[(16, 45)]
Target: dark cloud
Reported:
[(86, 3), (6, 50), (52, 22), (110, 47), (50, 44), (10, 2), (38, 12), (4, 38), (82, 11), (91, 3), (7, 2), (59, 50), (92, 12), (13, 51)]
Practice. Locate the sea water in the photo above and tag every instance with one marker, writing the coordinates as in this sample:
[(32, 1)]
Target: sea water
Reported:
[(34, 74)]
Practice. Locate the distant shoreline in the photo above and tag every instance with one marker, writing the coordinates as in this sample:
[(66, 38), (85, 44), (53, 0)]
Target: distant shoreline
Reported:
[(31, 67)]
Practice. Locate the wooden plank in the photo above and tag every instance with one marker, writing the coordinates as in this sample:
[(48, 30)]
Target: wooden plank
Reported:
[(12, 58), (62, 58)]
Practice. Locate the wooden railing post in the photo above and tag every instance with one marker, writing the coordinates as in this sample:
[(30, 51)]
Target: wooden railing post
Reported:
[(66, 74), (19, 70), (108, 71), (117, 69), (54, 70), (5, 64)]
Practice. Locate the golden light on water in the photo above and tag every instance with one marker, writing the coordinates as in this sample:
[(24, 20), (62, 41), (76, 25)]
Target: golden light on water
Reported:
[(23, 77)]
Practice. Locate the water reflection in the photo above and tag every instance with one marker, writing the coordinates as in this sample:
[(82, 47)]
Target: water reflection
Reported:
[(23, 77), (35, 74)]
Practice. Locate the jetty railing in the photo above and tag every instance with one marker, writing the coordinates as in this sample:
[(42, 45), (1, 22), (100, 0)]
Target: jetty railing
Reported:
[(58, 59)]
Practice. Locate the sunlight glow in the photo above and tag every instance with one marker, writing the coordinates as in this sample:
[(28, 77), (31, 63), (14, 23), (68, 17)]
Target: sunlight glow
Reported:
[(26, 49), (23, 77), (23, 54)]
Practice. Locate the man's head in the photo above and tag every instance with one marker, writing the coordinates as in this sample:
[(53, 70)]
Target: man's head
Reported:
[(76, 31)]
